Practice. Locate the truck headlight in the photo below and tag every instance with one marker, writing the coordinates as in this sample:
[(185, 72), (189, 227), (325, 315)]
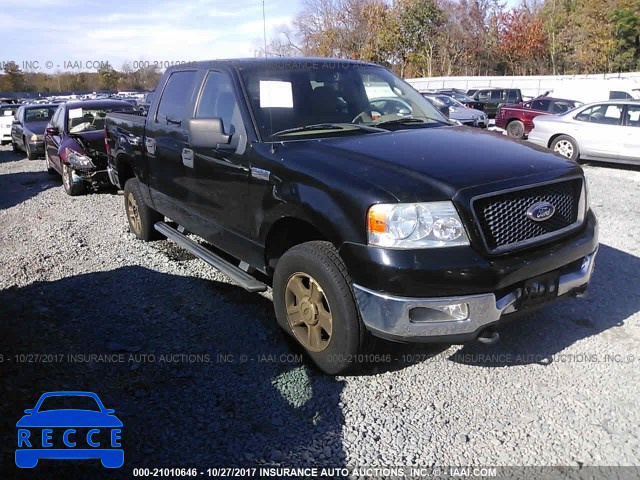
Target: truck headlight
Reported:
[(415, 225), (79, 161)]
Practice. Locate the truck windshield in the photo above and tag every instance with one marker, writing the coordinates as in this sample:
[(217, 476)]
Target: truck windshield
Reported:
[(289, 101)]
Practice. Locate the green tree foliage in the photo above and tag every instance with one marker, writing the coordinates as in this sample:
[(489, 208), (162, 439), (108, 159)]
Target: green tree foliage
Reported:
[(626, 34), (473, 37)]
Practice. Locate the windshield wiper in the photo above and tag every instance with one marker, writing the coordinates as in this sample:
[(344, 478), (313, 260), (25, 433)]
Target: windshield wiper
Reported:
[(329, 126), (407, 120)]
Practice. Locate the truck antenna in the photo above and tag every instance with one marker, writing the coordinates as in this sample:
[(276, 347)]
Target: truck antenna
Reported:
[(264, 31), (264, 28)]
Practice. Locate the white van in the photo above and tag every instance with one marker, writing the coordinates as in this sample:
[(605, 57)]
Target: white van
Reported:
[(596, 90)]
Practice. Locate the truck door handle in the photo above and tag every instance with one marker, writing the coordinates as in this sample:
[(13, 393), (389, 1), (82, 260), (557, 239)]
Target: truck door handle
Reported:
[(173, 122)]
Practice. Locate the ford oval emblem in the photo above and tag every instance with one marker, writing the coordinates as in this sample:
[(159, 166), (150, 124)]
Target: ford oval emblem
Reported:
[(541, 211)]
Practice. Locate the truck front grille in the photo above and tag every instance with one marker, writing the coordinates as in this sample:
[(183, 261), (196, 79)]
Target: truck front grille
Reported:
[(505, 225)]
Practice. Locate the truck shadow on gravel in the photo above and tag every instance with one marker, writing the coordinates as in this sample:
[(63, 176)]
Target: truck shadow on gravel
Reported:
[(611, 299), (19, 187), (196, 370)]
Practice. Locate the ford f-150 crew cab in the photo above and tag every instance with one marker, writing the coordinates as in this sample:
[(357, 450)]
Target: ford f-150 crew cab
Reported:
[(403, 226)]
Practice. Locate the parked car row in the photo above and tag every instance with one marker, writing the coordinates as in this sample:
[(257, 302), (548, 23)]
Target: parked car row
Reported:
[(457, 111), (517, 119), (606, 131)]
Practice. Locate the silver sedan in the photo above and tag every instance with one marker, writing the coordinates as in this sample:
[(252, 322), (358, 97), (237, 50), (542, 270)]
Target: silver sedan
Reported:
[(607, 131)]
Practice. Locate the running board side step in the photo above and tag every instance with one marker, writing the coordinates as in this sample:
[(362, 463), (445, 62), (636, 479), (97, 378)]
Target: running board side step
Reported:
[(239, 276)]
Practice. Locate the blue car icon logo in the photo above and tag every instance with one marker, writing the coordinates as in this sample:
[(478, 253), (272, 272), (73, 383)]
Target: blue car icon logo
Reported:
[(69, 425)]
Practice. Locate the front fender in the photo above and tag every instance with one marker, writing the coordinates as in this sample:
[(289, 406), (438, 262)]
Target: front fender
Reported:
[(330, 216), (71, 144)]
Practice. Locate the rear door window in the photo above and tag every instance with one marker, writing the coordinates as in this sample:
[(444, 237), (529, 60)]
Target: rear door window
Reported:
[(497, 95), (561, 107), (616, 95), (541, 105), (175, 99), (512, 96), (633, 116)]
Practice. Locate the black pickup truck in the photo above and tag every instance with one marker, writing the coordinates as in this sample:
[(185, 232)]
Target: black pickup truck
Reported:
[(399, 225)]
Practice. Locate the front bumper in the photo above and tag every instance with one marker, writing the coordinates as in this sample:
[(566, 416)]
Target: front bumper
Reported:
[(94, 177), (393, 318)]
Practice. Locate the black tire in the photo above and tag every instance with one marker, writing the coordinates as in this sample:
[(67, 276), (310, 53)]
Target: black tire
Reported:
[(515, 129), (50, 169), (566, 146), (72, 188), (147, 217), (321, 262), (15, 147), (31, 155)]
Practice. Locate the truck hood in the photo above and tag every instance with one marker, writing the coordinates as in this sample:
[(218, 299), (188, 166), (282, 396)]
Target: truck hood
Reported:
[(448, 159), (36, 127)]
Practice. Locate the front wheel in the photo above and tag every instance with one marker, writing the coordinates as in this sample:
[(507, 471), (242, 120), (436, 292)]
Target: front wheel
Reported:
[(515, 129), (314, 303), (566, 146), (72, 188), (141, 217), (31, 155)]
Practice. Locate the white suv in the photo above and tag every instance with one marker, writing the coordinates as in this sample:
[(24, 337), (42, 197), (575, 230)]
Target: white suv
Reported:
[(7, 113)]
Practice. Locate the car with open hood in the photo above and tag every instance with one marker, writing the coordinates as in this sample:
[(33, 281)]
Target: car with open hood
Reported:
[(74, 144)]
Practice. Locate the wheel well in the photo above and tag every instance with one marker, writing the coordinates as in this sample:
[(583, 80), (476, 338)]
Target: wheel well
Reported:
[(125, 170), (556, 136), (286, 233)]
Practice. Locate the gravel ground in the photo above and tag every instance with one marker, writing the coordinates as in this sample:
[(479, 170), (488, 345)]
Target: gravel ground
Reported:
[(201, 376)]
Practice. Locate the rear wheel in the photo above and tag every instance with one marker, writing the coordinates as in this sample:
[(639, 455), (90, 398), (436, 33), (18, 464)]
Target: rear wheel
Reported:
[(70, 187), (566, 146), (140, 216), (515, 129), (314, 303)]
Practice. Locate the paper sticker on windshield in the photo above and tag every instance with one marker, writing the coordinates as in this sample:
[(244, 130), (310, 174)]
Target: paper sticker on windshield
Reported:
[(75, 113), (275, 94)]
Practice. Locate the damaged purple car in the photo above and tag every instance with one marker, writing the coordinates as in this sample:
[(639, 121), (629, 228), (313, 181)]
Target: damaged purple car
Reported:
[(74, 144)]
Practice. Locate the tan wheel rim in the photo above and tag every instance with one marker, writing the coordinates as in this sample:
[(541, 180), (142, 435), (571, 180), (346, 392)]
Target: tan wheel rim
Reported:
[(308, 312), (134, 214)]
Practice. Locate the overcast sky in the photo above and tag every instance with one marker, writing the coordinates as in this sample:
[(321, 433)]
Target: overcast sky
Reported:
[(58, 31)]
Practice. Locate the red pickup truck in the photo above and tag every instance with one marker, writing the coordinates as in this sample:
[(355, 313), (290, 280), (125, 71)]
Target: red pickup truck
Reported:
[(517, 119)]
